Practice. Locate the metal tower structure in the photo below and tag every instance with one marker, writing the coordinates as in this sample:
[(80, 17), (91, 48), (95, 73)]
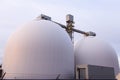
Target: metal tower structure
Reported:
[(69, 27)]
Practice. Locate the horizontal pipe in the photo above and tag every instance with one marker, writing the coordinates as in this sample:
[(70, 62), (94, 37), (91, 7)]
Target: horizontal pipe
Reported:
[(75, 30)]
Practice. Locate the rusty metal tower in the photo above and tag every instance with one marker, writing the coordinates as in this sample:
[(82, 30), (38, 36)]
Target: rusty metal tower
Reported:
[(69, 26)]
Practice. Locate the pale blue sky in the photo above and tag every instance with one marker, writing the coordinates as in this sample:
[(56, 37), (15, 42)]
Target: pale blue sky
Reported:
[(100, 16)]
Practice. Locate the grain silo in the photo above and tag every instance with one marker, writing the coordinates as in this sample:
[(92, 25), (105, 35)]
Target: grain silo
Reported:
[(39, 50)]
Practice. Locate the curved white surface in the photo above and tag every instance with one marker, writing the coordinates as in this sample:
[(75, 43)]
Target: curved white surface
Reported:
[(39, 50), (94, 51), (118, 76)]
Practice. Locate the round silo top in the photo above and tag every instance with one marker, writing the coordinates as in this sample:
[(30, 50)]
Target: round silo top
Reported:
[(93, 51), (39, 50)]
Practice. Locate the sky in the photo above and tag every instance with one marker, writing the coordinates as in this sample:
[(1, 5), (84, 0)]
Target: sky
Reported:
[(99, 16)]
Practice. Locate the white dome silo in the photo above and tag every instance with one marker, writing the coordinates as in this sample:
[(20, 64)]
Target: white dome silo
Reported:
[(94, 51), (39, 50)]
